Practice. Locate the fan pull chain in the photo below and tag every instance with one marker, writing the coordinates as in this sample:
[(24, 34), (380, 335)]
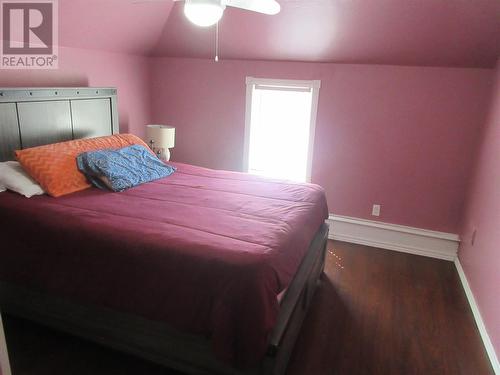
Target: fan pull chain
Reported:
[(216, 42)]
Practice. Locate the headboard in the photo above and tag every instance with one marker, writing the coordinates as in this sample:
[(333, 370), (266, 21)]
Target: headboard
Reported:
[(36, 116)]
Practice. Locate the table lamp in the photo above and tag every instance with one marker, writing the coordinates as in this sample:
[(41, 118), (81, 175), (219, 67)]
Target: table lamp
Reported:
[(160, 138)]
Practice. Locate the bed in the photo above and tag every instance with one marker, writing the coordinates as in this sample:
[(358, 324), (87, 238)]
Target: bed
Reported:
[(205, 271)]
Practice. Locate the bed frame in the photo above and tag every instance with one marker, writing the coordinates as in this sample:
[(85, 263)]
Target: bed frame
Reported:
[(31, 117), (36, 116)]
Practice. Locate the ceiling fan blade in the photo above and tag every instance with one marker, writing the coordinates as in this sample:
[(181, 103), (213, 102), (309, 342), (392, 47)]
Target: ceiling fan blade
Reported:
[(261, 6), (148, 1)]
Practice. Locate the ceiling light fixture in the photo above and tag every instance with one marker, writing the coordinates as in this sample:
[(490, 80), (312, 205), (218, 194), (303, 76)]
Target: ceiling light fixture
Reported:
[(204, 12)]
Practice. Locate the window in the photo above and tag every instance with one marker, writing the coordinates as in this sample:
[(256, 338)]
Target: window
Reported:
[(279, 127)]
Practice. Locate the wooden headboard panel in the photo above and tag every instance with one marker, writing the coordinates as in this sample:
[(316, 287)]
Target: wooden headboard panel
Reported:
[(36, 116)]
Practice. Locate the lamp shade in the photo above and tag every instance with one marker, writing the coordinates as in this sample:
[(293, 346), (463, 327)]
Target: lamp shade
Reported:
[(163, 136)]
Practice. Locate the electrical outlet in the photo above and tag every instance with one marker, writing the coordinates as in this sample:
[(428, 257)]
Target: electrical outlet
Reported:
[(376, 210)]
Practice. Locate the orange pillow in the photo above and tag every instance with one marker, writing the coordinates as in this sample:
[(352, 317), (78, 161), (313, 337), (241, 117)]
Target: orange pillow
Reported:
[(54, 166)]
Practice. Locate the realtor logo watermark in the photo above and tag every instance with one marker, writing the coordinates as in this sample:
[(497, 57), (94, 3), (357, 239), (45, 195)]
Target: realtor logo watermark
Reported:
[(29, 34)]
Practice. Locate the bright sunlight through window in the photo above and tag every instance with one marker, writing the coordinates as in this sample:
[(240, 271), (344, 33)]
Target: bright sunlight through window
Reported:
[(280, 128)]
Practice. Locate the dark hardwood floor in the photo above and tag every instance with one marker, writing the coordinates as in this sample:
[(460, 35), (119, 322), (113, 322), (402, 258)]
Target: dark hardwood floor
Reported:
[(376, 312)]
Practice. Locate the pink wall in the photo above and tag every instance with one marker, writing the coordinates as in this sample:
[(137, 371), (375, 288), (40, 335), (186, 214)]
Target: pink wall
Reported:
[(79, 67), (402, 137), (481, 261)]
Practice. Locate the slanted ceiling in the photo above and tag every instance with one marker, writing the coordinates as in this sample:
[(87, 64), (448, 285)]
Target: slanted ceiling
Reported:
[(462, 33)]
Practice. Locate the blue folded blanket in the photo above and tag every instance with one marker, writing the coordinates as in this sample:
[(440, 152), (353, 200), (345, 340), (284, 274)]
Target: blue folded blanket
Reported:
[(123, 168)]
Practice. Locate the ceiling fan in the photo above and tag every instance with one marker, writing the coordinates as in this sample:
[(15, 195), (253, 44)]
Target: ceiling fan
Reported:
[(208, 12)]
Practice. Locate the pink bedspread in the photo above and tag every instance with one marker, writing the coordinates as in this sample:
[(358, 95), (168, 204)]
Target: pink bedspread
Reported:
[(205, 251)]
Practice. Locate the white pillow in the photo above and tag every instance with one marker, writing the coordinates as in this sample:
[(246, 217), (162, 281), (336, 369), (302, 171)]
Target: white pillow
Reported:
[(2, 188), (15, 178)]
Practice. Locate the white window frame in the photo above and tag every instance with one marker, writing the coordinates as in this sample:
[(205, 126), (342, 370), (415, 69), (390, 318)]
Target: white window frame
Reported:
[(313, 85)]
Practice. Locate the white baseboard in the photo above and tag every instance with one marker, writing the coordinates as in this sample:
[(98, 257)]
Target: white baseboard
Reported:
[(414, 241), (479, 320), (394, 237)]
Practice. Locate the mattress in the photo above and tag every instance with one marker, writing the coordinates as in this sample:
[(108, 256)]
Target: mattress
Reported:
[(206, 251)]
